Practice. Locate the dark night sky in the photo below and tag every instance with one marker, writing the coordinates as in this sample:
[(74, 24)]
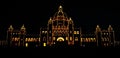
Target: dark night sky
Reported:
[(35, 14)]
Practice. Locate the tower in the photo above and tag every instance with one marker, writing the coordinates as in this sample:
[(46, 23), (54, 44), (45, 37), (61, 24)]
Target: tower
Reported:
[(111, 35), (71, 32), (49, 29), (16, 37), (9, 35), (98, 35), (105, 38), (22, 35)]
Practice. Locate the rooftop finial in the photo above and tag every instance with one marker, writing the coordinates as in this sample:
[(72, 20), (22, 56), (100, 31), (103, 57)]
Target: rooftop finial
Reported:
[(98, 29), (98, 26), (23, 27), (10, 27), (50, 18), (60, 8), (70, 18), (110, 28)]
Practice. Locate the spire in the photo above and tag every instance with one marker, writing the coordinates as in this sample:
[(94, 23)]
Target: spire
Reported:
[(70, 21), (110, 28), (60, 13), (60, 6), (98, 28), (23, 27), (70, 18), (50, 18), (60, 9), (10, 28)]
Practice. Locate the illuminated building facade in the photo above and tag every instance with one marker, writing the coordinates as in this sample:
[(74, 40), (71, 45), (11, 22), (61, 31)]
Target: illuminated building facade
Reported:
[(60, 31)]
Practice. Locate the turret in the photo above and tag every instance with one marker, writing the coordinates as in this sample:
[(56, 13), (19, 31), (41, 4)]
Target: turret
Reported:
[(98, 35), (9, 34), (23, 29), (111, 35), (10, 29), (22, 35), (110, 28), (98, 29)]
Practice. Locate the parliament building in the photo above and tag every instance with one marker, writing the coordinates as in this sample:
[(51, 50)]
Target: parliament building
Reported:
[(60, 31)]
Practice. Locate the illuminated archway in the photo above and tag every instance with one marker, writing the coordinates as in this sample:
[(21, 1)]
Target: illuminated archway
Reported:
[(60, 39)]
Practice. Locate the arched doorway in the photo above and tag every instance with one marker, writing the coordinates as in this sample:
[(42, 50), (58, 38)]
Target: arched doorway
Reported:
[(60, 42), (60, 39)]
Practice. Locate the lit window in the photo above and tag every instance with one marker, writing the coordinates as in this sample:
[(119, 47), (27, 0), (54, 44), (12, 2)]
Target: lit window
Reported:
[(77, 32), (15, 39), (81, 39), (76, 38), (13, 33), (39, 39), (35, 39), (107, 44), (12, 39), (86, 39), (44, 44), (26, 44), (91, 39), (70, 38), (95, 39), (53, 38), (74, 32), (104, 33), (26, 39), (45, 31), (42, 31), (31, 39), (66, 38), (107, 33), (53, 42)]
